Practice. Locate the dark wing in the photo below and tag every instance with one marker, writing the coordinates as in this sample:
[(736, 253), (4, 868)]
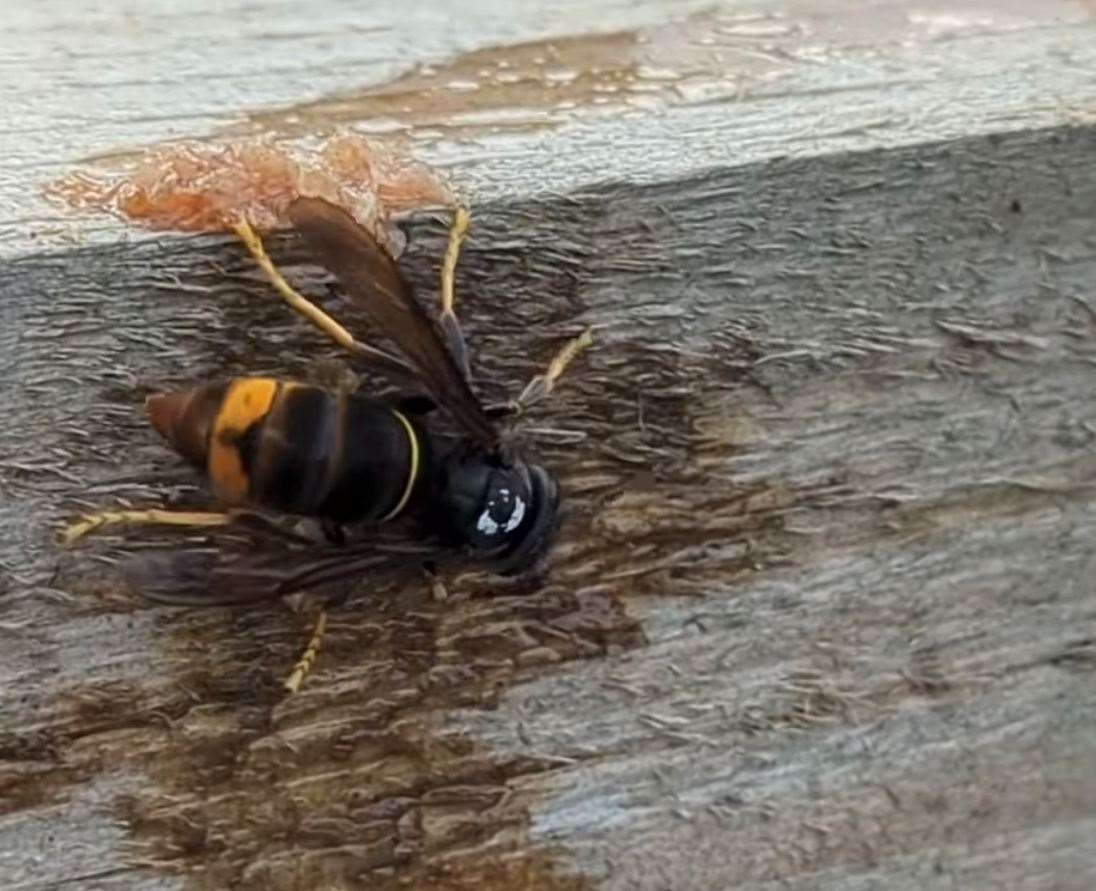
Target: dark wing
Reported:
[(372, 278), (252, 562)]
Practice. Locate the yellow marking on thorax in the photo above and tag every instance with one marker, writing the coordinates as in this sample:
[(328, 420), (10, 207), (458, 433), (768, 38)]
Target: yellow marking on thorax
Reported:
[(248, 400), (413, 472)]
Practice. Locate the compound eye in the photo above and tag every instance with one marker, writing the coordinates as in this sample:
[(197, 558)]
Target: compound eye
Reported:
[(504, 510)]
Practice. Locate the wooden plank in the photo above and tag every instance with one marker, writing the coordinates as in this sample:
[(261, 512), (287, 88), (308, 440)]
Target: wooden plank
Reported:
[(821, 613), (545, 101)]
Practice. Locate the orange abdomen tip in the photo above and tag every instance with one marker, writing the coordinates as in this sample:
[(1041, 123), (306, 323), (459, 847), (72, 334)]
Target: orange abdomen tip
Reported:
[(163, 411), (184, 418)]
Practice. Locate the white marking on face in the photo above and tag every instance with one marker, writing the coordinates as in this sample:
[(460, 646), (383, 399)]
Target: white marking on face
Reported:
[(486, 525), (516, 515), (489, 526)]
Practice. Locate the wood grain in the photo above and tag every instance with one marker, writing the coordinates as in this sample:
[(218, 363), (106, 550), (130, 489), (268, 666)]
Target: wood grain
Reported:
[(821, 614)]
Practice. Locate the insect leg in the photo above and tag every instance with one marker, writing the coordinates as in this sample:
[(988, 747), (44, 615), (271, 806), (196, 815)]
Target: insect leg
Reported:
[(438, 591), (543, 384), (454, 337), (293, 683), (306, 307), (92, 522)]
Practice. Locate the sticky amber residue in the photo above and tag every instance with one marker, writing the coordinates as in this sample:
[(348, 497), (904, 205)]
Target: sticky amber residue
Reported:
[(205, 187)]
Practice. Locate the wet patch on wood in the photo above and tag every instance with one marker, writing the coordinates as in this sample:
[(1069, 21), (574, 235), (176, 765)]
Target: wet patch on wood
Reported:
[(831, 440)]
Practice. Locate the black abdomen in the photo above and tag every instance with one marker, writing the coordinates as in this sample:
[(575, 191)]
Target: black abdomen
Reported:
[(295, 448)]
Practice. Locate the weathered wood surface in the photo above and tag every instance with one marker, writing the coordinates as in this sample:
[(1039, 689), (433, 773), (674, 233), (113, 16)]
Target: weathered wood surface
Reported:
[(821, 614)]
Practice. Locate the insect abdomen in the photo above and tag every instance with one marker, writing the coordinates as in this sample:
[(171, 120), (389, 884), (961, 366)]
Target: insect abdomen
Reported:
[(294, 447)]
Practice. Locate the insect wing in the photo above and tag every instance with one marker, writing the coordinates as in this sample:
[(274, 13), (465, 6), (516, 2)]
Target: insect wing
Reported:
[(253, 562), (371, 277)]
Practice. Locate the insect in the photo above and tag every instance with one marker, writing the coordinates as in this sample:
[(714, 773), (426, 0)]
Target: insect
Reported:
[(344, 458)]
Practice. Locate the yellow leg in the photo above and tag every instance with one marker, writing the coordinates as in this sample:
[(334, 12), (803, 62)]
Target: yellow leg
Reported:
[(93, 522), (438, 591), (543, 384), (293, 683), (447, 318), (305, 307), (457, 230)]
